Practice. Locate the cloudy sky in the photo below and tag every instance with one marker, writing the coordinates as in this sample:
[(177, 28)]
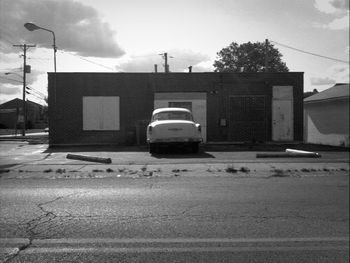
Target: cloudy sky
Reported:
[(129, 35)]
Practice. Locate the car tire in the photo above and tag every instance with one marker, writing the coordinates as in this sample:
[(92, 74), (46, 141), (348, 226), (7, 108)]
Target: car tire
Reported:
[(195, 147), (152, 148)]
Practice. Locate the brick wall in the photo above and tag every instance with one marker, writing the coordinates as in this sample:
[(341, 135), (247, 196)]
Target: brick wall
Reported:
[(136, 92)]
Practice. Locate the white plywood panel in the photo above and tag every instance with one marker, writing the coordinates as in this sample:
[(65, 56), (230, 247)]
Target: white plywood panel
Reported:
[(110, 113), (101, 113), (91, 113)]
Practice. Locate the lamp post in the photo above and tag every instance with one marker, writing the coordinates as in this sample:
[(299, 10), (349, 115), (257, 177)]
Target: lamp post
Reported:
[(32, 27)]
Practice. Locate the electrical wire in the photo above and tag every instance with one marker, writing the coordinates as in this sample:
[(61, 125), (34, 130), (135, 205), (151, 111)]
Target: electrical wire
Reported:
[(87, 60), (36, 91), (309, 53)]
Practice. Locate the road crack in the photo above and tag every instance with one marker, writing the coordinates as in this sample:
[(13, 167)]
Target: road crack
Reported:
[(31, 226)]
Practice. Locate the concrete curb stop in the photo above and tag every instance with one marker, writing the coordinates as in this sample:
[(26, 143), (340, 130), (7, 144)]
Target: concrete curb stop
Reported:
[(303, 153), (289, 153), (89, 158)]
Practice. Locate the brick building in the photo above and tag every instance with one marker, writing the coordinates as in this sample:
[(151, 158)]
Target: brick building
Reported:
[(115, 108)]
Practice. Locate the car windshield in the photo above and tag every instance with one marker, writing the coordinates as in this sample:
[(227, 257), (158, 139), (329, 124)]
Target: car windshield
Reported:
[(172, 115)]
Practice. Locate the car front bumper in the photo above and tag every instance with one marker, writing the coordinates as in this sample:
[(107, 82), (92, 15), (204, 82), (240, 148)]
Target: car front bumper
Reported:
[(174, 140)]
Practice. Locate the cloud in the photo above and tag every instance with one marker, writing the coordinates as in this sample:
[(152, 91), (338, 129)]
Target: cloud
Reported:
[(332, 6), (338, 23), (78, 28), (340, 72), (9, 90), (338, 9), (322, 81), (178, 61)]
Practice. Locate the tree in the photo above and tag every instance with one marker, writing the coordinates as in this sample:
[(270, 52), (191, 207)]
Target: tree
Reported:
[(250, 57)]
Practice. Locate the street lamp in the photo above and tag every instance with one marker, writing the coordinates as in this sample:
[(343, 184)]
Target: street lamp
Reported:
[(32, 27)]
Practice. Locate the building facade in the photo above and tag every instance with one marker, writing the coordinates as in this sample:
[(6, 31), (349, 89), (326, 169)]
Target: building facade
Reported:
[(327, 117), (115, 108)]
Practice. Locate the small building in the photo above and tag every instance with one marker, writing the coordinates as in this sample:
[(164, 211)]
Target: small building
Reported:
[(11, 115), (115, 108), (326, 116)]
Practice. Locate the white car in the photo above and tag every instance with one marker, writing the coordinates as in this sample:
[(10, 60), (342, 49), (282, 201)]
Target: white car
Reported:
[(173, 126)]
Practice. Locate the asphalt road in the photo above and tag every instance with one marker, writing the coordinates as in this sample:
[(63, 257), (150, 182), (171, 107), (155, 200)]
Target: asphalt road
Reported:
[(177, 219)]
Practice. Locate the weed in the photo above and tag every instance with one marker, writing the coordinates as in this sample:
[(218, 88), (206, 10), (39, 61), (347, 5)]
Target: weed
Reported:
[(245, 170), (176, 170), (97, 171), (4, 171), (231, 169), (305, 170), (109, 170), (48, 170), (60, 171), (326, 169), (279, 173), (144, 168)]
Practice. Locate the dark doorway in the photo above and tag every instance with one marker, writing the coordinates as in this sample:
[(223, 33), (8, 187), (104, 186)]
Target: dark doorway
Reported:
[(247, 118)]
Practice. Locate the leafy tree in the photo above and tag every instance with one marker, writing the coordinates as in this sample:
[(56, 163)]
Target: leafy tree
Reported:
[(249, 57)]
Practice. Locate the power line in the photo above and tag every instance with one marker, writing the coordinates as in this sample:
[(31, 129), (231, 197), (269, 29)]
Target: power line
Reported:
[(87, 60), (36, 91), (35, 96), (309, 53)]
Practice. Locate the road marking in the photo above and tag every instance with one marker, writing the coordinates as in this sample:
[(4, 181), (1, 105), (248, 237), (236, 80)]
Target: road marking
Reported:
[(188, 240), (175, 245), (180, 249)]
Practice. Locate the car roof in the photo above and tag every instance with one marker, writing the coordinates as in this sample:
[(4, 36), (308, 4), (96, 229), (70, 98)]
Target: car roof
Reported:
[(170, 109)]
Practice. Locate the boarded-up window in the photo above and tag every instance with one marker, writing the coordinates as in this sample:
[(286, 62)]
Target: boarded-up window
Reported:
[(101, 113)]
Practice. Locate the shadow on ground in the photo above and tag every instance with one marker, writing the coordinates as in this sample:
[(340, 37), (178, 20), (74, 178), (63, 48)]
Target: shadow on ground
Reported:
[(170, 152)]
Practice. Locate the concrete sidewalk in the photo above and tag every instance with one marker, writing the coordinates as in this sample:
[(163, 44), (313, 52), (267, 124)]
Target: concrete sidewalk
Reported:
[(26, 160)]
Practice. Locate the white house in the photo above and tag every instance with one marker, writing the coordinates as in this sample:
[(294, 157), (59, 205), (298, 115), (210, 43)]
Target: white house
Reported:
[(326, 117)]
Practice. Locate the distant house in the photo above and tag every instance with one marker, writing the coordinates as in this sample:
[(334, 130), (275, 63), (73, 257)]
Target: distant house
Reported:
[(326, 117), (11, 113)]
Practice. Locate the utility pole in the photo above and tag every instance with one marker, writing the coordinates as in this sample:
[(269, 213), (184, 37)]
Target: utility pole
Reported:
[(266, 55), (24, 108), (166, 66)]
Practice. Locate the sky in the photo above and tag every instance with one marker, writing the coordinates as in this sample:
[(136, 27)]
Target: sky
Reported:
[(130, 35)]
